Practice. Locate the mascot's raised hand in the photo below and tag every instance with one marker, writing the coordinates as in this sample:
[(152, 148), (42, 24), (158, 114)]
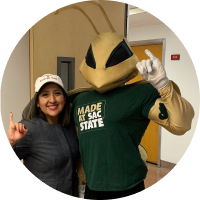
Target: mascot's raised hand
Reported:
[(153, 71)]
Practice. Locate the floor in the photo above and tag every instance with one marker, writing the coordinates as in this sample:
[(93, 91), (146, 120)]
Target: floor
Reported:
[(155, 174)]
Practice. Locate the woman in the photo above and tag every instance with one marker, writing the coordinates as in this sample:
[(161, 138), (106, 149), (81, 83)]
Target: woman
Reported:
[(45, 138)]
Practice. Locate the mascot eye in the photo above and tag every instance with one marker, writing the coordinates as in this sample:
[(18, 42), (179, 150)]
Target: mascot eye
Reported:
[(119, 54), (90, 58)]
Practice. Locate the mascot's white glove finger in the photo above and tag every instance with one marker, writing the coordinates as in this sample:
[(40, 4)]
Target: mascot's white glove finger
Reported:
[(149, 66), (156, 74), (142, 69), (145, 67), (149, 54)]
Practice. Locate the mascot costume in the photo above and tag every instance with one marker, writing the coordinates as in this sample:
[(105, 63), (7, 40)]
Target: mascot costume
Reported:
[(112, 117)]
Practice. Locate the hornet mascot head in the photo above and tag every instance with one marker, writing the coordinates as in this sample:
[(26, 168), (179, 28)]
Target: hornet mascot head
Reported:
[(109, 62)]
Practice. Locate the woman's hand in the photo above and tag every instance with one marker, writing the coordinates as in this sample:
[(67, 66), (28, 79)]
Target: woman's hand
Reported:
[(16, 131)]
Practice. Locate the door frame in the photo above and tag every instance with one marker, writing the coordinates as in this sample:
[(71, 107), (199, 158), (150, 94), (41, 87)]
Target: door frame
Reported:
[(70, 69), (152, 42)]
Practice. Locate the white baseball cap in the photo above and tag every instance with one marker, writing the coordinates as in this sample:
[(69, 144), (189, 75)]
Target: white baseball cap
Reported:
[(47, 78)]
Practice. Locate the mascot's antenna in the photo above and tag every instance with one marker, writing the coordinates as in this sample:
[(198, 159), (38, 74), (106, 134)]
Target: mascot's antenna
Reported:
[(77, 8), (81, 10), (104, 14)]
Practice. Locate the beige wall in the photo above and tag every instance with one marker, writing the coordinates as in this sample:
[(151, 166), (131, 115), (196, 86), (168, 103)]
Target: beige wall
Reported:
[(69, 34), (15, 87)]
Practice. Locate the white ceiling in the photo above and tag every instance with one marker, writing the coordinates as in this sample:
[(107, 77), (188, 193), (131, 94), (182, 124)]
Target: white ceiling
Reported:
[(142, 19)]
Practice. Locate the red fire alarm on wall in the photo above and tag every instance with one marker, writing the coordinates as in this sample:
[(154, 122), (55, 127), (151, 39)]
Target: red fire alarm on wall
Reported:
[(175, 57)]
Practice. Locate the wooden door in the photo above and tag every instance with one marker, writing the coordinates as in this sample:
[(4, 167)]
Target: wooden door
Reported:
[(150, 140)]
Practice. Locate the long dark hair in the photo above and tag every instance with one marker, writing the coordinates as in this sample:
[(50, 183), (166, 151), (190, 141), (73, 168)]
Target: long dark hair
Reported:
[(31, 110)]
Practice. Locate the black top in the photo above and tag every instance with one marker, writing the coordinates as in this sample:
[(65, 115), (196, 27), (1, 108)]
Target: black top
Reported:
[(50, 152)]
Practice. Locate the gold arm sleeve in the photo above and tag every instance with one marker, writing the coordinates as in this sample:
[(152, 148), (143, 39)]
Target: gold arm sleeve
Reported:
[(172, 111), (80, 170), (78, 90), (80, 173)]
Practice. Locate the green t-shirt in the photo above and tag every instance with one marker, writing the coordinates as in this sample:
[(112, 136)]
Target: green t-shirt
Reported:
[(110, 128)]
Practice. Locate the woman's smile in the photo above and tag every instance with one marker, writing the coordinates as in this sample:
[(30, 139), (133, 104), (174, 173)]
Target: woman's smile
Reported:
[(53, 107)]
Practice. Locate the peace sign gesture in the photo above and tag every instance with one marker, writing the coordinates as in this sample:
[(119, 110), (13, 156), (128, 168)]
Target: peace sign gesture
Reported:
[(16, 131), (153, 71)]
